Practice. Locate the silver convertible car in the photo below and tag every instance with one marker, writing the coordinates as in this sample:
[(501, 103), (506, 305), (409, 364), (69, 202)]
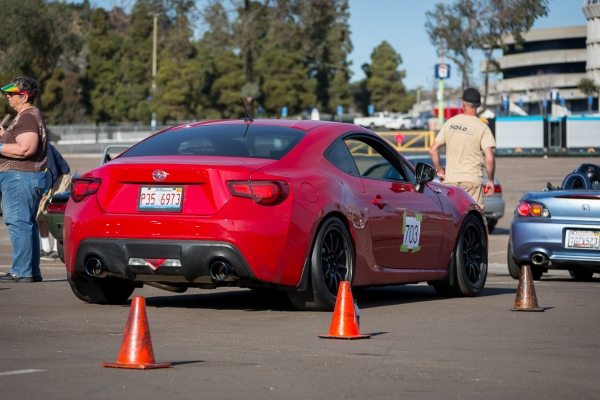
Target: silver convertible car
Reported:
[(559, 227)]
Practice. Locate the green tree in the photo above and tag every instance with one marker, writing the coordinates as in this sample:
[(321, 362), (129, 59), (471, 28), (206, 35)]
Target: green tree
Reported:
[(103, 73), (384, 80), (281, 66), (133, 92), (452, 30), (37, 36), (177, 82), (221, 64), (325, 31), (502, 18)]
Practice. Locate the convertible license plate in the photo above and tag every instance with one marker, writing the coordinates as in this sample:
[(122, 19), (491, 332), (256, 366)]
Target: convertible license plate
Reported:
[(582, 240), (160, 198)]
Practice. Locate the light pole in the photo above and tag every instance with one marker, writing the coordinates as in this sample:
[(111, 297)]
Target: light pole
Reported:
[(154, 48)]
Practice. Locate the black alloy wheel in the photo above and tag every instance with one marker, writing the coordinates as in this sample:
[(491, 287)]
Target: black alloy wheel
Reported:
[(471, 257), (332, 261)]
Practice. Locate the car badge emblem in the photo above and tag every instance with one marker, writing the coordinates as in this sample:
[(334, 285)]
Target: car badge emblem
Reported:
[(586, 207), (159, 175)]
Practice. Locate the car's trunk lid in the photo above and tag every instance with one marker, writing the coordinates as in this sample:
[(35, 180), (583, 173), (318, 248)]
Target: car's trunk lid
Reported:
[(200, 181)]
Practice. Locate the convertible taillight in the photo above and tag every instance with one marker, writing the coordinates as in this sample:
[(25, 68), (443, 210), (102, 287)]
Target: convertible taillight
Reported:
[(262, 192), (56, 208), (83, 187), (532, 209)]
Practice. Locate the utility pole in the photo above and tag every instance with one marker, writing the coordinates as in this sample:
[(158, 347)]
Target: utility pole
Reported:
[(440, 94), (154, 51)]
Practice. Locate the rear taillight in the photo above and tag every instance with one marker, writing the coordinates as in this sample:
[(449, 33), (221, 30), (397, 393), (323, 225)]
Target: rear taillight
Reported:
[(83, 187), (56, 208), (532, 209), (262, 192), (498, 188)]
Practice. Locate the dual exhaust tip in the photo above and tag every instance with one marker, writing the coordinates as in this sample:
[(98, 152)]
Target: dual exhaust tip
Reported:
[(219, 270)]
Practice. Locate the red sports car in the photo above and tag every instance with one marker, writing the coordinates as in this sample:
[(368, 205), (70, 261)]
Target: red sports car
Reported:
[(293, 205)]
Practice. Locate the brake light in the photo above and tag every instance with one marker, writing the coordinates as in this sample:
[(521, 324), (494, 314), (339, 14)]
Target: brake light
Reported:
[(531, 209), (83, 187), (498, 188), (262, 192), (56, 208)]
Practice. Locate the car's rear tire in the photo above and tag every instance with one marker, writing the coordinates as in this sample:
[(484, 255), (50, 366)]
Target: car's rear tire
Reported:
[(581, 274), (491, 224), (471, 257), (332, 261), (102, 290), (60, 250), (514, 269)]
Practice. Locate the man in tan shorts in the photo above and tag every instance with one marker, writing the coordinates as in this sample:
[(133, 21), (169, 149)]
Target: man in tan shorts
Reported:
[(466, 137)]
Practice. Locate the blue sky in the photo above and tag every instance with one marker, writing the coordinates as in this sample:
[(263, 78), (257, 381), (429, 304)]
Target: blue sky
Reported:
[(402, 24)]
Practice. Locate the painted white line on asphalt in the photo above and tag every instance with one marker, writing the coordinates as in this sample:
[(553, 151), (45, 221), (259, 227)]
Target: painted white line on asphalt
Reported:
[(496, 252), (21, 372)]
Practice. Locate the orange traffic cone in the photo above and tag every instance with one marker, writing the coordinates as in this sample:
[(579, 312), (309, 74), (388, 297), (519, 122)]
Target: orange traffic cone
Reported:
[(526, 300), (344, 324), (136, 350)]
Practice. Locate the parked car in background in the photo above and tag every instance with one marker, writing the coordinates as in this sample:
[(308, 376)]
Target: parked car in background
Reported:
[(290, 205), (559, 227), (494, 204), (400, 122), (55, 212), (375, 121)]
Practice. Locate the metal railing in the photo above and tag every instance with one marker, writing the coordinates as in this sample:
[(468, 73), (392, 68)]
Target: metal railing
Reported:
[(404, 141)]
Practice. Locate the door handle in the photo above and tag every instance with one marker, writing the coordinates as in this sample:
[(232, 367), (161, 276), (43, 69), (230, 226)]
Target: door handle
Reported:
[(379, 201)]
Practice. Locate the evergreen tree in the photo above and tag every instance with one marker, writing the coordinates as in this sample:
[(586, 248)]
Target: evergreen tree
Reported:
[(282, 68), (103, 74), (325, 33), (385, 79)]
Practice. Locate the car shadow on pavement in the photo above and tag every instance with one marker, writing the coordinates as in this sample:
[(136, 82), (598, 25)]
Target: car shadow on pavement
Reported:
[(273, 300), (396, 295), (243, 299)]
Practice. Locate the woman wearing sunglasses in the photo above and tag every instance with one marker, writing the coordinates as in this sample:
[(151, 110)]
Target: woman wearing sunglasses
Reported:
[(23, 180)]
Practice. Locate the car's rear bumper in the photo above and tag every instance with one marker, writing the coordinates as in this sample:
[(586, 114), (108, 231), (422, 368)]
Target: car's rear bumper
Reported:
[(193, 261), (494, 207), (529, 238)]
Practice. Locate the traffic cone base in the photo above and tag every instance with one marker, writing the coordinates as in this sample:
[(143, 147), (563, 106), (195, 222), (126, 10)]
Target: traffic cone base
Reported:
[(344, 324), (136, 350), (526, 299)]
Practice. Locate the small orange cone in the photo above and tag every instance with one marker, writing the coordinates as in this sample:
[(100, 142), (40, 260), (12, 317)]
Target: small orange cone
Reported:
[(136, 350), (526, 300), (344, 324)]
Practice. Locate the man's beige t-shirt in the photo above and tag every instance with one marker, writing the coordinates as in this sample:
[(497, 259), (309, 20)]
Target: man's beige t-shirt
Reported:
[(465, 138)]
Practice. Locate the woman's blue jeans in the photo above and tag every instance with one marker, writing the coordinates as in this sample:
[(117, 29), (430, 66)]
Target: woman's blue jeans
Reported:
[(21, 193)]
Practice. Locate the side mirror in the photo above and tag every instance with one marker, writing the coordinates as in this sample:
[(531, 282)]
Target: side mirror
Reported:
[(425, 173)]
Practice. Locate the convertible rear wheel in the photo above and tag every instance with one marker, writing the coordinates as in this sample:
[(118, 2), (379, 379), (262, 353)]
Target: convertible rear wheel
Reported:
[(332, 261), (514, 269), (581, 274), (471, 257), (102, 290)]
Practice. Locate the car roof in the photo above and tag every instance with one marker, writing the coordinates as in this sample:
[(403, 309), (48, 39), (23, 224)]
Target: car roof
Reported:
[(304, 125)]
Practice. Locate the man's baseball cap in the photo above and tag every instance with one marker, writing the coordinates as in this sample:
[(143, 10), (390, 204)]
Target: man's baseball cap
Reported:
[(472, 96)]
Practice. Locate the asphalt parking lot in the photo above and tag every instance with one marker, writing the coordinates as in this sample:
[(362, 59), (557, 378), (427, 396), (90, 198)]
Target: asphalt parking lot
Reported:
[(241, 344)]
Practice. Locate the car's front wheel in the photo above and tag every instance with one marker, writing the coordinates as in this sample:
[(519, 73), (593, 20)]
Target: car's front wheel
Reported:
[(102, 290), (332, 261)]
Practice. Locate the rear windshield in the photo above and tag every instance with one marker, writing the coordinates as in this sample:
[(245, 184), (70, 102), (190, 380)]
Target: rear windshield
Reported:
[(220, 140)]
